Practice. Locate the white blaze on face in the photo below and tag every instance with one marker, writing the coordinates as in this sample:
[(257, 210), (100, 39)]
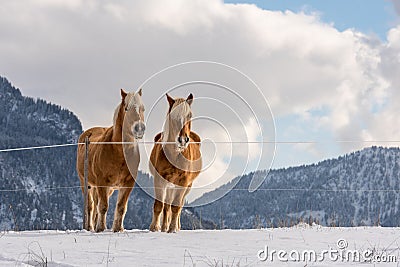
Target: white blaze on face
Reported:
[(132, 121), (129, 101), (177, 116), (180, 111), (182, 121), (138, 103)]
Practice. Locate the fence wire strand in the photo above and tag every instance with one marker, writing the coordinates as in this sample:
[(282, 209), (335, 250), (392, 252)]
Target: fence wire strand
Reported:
[(40, 189), (205, 141), (209, 188), (202, 142)]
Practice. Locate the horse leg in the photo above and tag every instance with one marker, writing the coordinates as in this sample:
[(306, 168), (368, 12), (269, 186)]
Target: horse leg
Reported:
[(121, 207), (90, 207), (102, 208), (95, 204), (176, 211), (169, 194), (179, 202), (176, 207), (155, 222), (159, 190), (182, 204), (166, 217)]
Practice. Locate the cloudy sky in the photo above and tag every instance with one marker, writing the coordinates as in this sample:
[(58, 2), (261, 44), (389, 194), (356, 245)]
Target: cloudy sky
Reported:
[(326, 71)]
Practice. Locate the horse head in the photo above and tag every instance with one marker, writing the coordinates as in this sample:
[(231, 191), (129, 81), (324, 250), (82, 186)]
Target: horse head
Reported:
[(180, 115), (133, 109)]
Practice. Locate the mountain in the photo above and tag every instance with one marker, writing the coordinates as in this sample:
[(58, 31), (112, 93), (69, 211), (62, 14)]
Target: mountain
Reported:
[(361, 188), (39, 188), (29, 198)]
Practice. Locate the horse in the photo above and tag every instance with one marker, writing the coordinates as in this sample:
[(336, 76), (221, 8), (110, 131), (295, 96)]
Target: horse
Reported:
[(107, 166), (175, 162)]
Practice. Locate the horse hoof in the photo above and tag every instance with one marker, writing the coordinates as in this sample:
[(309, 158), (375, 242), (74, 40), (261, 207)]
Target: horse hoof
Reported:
[(100, 229), (154, 228), (172, 231), (118, 229)]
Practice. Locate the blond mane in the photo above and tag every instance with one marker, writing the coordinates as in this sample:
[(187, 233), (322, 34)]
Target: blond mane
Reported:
[(175, 118)]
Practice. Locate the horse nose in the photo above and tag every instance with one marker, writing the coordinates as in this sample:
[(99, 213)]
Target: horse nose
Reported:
[(142, 126), (139, 129), (183, 140)]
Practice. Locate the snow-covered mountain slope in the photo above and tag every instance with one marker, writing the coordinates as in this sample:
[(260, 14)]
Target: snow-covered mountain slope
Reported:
[(28, 198), (361, 188)]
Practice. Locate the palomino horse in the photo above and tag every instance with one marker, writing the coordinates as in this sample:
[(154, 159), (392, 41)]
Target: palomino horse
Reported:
[(108, 170), (174, 164)]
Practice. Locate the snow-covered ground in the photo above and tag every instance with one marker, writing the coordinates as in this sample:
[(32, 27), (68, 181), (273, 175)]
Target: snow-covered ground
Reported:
[(202, 247)]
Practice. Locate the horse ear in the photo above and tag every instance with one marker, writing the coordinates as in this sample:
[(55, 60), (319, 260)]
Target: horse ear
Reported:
[(140, 92), (189, 99), (171, 101), (123, 93)]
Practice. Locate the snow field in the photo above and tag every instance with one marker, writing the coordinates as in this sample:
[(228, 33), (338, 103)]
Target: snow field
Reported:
[(192, 248)]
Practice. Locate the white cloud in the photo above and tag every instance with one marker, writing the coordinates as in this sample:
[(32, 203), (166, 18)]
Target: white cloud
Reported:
[(384, 123)]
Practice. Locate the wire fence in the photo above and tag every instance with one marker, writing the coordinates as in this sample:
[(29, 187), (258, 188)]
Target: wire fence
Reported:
[(223, 189), (206, 141), (213, 188)]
